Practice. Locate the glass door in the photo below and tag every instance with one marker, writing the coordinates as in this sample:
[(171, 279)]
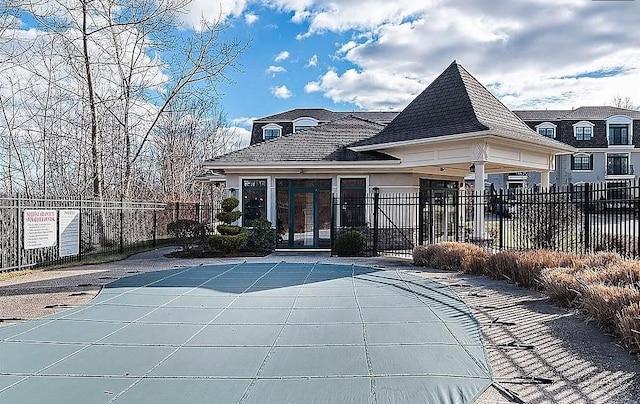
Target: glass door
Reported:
[(303, 213), (303, 219)]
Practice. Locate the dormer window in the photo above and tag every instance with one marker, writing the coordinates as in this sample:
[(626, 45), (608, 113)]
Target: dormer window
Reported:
[(271, 131), (620, 130), (546, 129), (583, 130), (301, 124)]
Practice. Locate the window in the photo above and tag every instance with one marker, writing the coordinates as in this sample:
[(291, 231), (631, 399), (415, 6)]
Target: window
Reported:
[(254, 201), (617, 164), (548, 132), (583, 130), (618, 134), (353, 193), (546, 129), (582, 162), (301, 124), (271, 131)]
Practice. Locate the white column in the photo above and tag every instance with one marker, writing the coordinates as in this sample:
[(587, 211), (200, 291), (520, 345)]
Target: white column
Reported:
[(479, 231), (544, 179)]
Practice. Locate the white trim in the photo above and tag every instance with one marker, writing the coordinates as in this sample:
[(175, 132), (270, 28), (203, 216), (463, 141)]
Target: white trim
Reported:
[(583, 124), (304, 121), (621, 120), (271, 126), (561, 148), (268, 201), (547, 125)]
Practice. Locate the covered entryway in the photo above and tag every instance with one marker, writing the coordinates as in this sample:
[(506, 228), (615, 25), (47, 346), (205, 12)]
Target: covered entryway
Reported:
[(303, 213)]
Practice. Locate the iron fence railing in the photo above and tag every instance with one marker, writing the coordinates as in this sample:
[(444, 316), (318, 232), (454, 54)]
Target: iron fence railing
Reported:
[(579, 218), (44, 232)]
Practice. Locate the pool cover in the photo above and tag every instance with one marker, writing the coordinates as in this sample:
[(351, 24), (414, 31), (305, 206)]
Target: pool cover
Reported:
[(252, 333)]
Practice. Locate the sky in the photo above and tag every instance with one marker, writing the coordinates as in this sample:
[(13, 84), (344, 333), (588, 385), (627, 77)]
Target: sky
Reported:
[(379, 54)]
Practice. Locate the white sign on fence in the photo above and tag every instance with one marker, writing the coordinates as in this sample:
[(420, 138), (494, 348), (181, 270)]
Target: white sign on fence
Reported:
[(39, 228), (69, 232)]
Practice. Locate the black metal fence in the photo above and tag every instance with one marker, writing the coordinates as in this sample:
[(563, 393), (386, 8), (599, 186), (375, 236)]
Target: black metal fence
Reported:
[(44, 232), (580, 218)]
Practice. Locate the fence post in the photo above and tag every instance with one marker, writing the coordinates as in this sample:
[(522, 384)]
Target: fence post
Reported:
[(155, 226), (420, 218), (587, 223), (376, 203), (501, 214), (121, 226), (332, 232)]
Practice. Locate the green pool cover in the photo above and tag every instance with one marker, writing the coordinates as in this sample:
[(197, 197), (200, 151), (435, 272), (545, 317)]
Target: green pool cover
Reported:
[(252, 333)]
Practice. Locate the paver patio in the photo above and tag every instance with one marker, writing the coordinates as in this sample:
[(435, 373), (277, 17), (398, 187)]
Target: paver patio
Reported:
[(252, 333)]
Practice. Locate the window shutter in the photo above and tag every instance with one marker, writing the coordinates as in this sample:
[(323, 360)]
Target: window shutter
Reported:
[(573, 162), (591, 162)]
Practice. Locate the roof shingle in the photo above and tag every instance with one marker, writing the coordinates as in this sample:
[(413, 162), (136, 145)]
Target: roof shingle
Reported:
[(455, 103), (325, 142)]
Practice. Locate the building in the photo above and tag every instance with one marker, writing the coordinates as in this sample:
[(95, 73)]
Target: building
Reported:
[(298, 160)]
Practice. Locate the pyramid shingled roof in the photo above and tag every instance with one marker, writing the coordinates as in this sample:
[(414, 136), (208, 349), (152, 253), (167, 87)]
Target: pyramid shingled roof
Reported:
[(456, 103)]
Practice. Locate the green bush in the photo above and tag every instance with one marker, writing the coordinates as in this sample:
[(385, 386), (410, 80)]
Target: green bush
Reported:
[(229, 230), (228, 217), (231, 237), (229, 204), (262, 237), (350, 244), (186, 232), (228, 243)]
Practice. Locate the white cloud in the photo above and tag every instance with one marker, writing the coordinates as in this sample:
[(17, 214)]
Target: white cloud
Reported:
[(240, 137), (250, 18), (543, 54), (243, 122), (281, 92), (313, 61), (213, 11), (284, 55), (272, 70), (372, 89)]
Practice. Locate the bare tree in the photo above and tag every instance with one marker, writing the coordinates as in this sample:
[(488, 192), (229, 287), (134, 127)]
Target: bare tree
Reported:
[(95, 96), (619, 101)]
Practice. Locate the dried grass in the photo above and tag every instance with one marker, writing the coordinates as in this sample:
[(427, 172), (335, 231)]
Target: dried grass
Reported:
[(450, 256), (629, 327), (604, 302), (561, 285)]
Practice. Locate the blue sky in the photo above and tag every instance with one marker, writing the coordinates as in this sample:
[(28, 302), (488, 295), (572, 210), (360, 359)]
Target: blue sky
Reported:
[(377, 55)]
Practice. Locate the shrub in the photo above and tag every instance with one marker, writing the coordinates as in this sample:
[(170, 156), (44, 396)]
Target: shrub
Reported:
[(524, 268), (186, 232), (561, 285), (629, 327), (350, 244), (604, 302), (231, 237), (228, 243), (451, 256), (262, 237)]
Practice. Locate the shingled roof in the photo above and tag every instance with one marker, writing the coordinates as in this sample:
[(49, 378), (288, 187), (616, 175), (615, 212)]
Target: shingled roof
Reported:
[(586, 113), (456, 103), (325, 115), (325, 142)]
